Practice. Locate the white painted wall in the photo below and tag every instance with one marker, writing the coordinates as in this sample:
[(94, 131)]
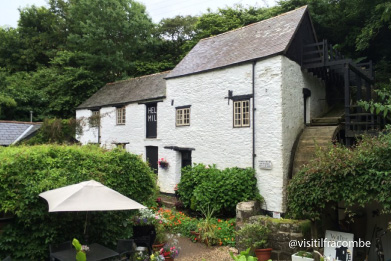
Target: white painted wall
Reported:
[(293, 82), (89, 134), (211, 131), (278, 120)]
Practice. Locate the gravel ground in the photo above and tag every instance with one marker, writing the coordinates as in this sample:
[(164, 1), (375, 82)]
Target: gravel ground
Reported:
[(197, 251)]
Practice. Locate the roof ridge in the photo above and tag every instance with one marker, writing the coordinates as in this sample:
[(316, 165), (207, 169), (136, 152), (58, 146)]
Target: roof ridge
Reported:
[(21, 122), (139, 77), (243, 27)]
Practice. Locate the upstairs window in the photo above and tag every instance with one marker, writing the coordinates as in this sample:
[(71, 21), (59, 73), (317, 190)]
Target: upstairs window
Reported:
[(183, 116), (242, 113), (94, 119), (121, 118)]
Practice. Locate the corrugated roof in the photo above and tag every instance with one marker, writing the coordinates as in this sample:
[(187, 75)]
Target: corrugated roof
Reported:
[(132, 90), (258, 40), (10, 131)]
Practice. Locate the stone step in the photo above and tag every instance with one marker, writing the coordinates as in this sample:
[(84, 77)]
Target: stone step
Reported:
[(312, 138), (168, 200)]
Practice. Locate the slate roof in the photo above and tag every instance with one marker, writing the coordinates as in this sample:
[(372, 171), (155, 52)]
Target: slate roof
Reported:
[(132, 90), (254, 41), (11, 131)]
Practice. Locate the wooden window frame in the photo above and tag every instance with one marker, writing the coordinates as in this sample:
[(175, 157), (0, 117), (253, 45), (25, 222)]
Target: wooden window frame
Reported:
[(121, 115), (241, 119), (182, 116), (94, 121)]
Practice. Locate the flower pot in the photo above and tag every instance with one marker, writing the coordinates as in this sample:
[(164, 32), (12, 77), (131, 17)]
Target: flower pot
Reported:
[(196, 234), (263, 254), (157, 247), (301, 258), (167, 258), (164, 165)]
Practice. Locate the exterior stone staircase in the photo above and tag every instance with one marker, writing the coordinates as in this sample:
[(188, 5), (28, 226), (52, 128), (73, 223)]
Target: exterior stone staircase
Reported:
[(319, 133)]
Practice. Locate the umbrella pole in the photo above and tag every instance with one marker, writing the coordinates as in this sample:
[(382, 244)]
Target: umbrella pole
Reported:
[(85, 229)]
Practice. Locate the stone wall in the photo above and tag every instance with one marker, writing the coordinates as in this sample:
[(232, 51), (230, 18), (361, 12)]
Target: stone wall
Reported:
[(282, 231)]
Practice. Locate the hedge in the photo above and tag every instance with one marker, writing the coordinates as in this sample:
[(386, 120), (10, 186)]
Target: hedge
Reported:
[(27, 171), (357, 176), (206, 186)]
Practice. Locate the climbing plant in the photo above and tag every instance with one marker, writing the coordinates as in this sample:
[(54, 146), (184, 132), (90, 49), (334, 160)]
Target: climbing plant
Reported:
[(357, 176)]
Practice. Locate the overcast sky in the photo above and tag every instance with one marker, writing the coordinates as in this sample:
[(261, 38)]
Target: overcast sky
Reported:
[(157, 9)]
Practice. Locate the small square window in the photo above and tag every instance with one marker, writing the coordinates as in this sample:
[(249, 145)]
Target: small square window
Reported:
[(121, 116), (95, 119), (183, 117), (242, 113)]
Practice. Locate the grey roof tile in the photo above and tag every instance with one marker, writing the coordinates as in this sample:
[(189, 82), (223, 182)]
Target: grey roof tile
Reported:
[(132, 90), (258, 40), (12, 130)]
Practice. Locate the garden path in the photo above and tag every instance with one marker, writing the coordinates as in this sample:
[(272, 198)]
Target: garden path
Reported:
[(197, 251)]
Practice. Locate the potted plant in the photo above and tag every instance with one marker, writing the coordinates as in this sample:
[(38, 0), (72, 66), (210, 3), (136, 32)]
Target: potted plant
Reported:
[(170, 250), (206, 228), (161, 238), (163, 163), (303, 256), (255, 236)]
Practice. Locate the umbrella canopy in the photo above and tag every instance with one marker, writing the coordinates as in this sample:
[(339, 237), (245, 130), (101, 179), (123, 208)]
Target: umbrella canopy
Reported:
[(87, 196)]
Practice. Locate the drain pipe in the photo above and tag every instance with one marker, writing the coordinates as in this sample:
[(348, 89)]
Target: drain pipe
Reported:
[(253, 86), (306, 94)]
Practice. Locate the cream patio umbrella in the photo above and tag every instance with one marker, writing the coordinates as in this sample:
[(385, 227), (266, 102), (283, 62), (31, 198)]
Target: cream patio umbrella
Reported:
[(87, 196)]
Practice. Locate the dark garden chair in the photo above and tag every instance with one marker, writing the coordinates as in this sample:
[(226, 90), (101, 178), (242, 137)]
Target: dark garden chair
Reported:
[(125, 248), (144, 236), (59, 247)]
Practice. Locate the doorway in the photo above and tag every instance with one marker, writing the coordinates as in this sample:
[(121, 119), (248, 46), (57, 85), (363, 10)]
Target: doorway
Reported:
[(152, 157), (186, 158)]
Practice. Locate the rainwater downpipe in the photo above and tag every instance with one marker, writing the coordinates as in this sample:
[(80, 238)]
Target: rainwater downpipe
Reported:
[(306, 95), (253, 93)]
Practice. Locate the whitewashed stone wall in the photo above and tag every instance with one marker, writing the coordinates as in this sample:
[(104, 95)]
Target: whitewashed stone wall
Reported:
[(89, 134), (268, 131), (293, 82), (278, 120), (211, 131)]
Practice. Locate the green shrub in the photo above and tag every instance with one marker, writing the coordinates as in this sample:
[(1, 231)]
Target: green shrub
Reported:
[(357, 176), (27, 171), (56, 131), (253, 236), (202, 187)]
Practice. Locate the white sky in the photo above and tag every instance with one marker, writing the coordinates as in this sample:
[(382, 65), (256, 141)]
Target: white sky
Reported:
[(157, 9)]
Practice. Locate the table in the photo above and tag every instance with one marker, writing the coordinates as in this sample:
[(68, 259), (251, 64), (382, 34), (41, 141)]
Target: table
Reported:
[(97, 252)]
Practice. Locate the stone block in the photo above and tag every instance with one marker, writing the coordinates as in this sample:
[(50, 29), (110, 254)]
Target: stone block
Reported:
[(245, 210)]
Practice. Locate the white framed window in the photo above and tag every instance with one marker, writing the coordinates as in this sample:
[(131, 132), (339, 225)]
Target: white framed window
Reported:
[(242, 113), (95, 119), (121, 116), (183, 116)]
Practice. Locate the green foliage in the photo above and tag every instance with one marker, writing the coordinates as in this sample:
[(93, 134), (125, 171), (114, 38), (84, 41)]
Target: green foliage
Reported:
[(356, 176), (27, 171), (55, 131), (243, 256), (6, 102), (204, 187), (383, 105), (253, 235), (80, 255)]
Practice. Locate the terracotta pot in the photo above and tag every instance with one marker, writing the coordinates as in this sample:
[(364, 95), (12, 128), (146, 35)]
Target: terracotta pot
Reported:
[(167, 258), (263, 254), (196, 234), (157, 247)]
